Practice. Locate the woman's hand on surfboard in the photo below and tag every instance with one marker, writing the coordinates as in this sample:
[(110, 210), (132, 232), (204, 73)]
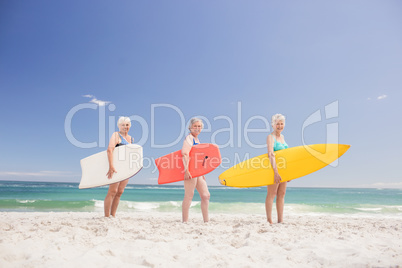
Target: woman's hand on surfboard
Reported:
[(277, 178), (187, 175), (110, 173)]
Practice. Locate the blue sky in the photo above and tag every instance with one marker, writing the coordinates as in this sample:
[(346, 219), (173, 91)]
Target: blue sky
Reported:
[(215, 59)]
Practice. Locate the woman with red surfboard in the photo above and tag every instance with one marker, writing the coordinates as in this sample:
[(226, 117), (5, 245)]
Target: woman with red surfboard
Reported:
[(190, 183)]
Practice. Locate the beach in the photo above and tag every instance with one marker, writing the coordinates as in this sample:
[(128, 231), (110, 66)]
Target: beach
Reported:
[(146, 239)]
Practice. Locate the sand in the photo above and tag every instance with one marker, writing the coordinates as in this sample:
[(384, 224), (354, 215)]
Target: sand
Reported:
[(86, 239)]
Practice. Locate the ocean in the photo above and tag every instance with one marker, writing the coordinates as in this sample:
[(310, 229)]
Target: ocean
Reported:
[(65, 197)]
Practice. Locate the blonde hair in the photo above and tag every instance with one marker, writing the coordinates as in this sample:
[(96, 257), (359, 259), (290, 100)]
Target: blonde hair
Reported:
[(277, 117), (123, 120), (195, 120)]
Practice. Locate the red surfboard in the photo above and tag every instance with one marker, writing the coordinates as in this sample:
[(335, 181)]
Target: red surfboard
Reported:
[(204, 158)]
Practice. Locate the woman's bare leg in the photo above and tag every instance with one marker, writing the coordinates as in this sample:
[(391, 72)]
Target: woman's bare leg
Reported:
[(269, 200), (203, 191), (107, 203), (116, 198), (280, 200), (189, 187)]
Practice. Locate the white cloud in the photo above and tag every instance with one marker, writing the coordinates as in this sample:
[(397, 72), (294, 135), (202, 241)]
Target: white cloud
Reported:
[(381, 97), (45, 173), (99, 102), (95, 100)]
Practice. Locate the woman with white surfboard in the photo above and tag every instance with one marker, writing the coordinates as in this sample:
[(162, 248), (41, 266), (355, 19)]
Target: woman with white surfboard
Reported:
[(276, 142), (115, 191), (190, 183)]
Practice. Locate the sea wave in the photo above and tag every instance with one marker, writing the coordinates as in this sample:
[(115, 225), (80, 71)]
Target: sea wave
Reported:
[(26, 201), (96, 205), (153, 188), (369, 209)]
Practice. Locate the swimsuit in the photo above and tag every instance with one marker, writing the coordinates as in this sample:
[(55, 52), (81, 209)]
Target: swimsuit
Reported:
[(189, 142), (278, 145), (195, 143), (124, 141)]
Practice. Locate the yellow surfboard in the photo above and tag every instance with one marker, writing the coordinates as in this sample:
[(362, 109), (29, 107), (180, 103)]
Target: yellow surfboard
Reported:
[(292, 163)]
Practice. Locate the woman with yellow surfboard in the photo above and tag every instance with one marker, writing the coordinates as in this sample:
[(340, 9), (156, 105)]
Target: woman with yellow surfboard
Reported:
[(276, 142), (190, 183)]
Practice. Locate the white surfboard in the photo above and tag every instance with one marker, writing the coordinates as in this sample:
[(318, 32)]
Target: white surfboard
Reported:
[(128, 161)]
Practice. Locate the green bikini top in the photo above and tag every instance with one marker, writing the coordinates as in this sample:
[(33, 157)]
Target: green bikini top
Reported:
[(278, 145)]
